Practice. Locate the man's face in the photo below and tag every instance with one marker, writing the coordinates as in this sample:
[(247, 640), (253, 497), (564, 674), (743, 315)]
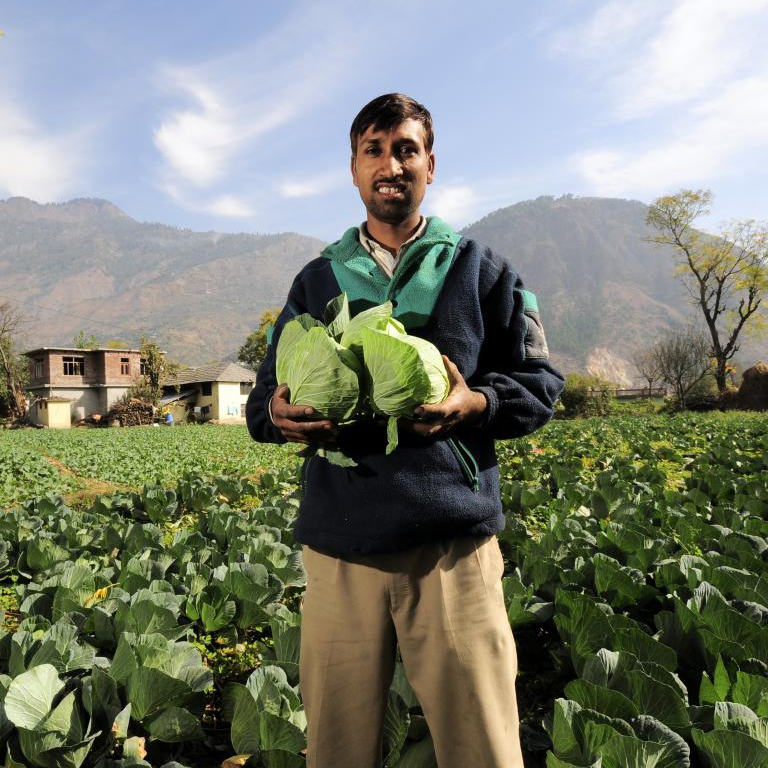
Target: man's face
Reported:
[(392, 169)]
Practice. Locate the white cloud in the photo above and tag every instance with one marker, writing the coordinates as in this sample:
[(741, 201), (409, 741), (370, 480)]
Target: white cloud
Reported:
[(720, 131), (200, 143), (315, 185), (33, 163), (228, 206), (699, 46), (231, 207), (689, 79), (457, 203), (614, 27), (648, 54), (196, 143), (234, 104)]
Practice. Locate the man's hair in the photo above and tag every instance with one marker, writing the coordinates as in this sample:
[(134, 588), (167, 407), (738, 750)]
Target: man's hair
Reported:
[(387, 111)]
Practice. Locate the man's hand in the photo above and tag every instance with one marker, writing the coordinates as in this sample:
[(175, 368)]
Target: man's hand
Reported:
[(296, 422), (461, 406)]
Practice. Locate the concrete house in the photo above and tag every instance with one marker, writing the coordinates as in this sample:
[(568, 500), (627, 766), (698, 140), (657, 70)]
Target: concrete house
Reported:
[(217, 391), (90, 380)]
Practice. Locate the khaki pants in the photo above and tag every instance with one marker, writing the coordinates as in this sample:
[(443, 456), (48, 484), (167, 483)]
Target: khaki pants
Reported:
[(442, 602)]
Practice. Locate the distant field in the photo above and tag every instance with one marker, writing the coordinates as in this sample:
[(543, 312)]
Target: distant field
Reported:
[(33, 461)]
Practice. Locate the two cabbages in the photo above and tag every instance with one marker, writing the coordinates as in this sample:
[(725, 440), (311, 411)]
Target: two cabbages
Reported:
[(349, 368)]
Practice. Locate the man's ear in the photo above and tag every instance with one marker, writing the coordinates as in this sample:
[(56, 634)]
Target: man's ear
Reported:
[(353, 168), (431, 168)]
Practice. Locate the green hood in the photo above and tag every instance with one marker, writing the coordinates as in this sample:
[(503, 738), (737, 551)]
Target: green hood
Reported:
[(417, 280)]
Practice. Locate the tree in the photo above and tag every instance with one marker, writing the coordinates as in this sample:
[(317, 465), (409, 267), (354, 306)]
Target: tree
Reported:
[(255, 348), (156, 370), (683, 360), (13, 368), (83, 342), (725, 274), (647, 366)]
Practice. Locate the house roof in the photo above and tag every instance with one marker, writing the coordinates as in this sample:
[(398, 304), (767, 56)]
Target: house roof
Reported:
[(79, 350), (173, 396), (221, 371)]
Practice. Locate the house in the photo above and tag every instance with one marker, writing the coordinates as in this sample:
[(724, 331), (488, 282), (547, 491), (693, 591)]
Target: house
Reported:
[(217, 391), (90, 379)]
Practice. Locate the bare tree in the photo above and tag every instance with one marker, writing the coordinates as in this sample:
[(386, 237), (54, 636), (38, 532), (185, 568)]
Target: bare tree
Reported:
[(647, 366), (683, 359), (726, 275), (11, 321)]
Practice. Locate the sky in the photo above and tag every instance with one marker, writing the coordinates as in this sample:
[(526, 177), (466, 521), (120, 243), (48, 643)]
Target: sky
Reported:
[(234, 116)]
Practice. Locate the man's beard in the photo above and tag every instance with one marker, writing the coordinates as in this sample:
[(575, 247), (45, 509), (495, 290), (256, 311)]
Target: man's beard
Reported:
[(393, 211)]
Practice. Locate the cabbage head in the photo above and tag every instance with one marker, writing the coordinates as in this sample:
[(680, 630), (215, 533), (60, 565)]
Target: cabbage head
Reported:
[(293, 331), (378, 318), (319, 372), (403, 372)]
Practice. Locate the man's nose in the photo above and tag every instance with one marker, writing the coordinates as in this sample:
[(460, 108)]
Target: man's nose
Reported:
[(391, 164)]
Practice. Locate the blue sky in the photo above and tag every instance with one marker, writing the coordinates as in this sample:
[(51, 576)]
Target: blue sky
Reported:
[(234, 115)]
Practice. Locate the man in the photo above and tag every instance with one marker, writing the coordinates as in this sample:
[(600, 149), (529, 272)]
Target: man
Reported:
[(401, 549)]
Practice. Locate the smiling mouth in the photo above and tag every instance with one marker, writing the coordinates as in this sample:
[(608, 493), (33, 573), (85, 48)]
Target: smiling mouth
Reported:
[(388, 189)]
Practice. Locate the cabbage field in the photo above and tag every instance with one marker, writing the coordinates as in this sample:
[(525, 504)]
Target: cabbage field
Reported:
[(151, 590)]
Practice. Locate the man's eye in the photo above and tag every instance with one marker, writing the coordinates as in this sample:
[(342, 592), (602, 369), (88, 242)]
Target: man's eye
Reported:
[(408, 150), (372, 151)]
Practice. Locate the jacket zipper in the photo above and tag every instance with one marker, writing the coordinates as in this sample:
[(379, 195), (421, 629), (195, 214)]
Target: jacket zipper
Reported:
[(466, 461), (304, 472)]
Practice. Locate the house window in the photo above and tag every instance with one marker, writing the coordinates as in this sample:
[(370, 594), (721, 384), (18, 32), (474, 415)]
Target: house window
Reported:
[(74, 366), (38, 367), (143, 369), (242, 410), (125, 366), (245, 387), (206, 388)]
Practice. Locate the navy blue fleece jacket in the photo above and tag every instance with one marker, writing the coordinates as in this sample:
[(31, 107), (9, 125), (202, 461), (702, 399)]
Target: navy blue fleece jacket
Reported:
[(427, 489)]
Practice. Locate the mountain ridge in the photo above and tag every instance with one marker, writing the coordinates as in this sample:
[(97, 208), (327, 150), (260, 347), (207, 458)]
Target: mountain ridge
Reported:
[(603, 290)]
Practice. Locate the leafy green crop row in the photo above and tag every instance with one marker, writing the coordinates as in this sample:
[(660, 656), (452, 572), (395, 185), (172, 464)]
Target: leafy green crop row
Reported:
[(656, 581), (636, 583), (24, 474), (130, 457)]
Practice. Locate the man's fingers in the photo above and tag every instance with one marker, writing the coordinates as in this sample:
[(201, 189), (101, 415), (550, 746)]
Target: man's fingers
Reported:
[(282, 408), (291, 412), (454, 375), (307, 428)]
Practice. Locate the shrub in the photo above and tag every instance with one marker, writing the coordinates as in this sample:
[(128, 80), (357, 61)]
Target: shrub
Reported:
[(586, 395)]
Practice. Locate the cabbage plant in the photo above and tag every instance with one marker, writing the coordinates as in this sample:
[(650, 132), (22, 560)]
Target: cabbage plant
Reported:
[(320, 373), (378, 318), (48, 718), (404, 372), (353, 367)]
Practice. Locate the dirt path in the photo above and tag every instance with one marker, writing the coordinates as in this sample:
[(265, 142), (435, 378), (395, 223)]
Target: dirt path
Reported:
[(89, 488)]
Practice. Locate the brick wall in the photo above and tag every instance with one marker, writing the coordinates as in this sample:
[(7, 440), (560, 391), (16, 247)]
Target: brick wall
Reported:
[(56, 366), (112, 362), (101, 367), (33, 379)]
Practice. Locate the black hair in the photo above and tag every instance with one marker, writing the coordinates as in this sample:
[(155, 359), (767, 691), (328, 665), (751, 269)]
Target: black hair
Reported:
[(387, 111)]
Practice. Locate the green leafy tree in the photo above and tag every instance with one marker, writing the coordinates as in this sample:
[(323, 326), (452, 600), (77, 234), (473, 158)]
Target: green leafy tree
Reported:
[(726, 274), (255, 348), (13, 366), (156, 371), (81, 341)]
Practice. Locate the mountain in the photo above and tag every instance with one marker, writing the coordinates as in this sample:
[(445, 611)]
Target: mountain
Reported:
[(198, 293), (603, 291)]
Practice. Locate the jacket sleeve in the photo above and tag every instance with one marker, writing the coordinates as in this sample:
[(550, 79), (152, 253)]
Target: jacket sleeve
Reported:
[(257, 406), (514, 372)]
